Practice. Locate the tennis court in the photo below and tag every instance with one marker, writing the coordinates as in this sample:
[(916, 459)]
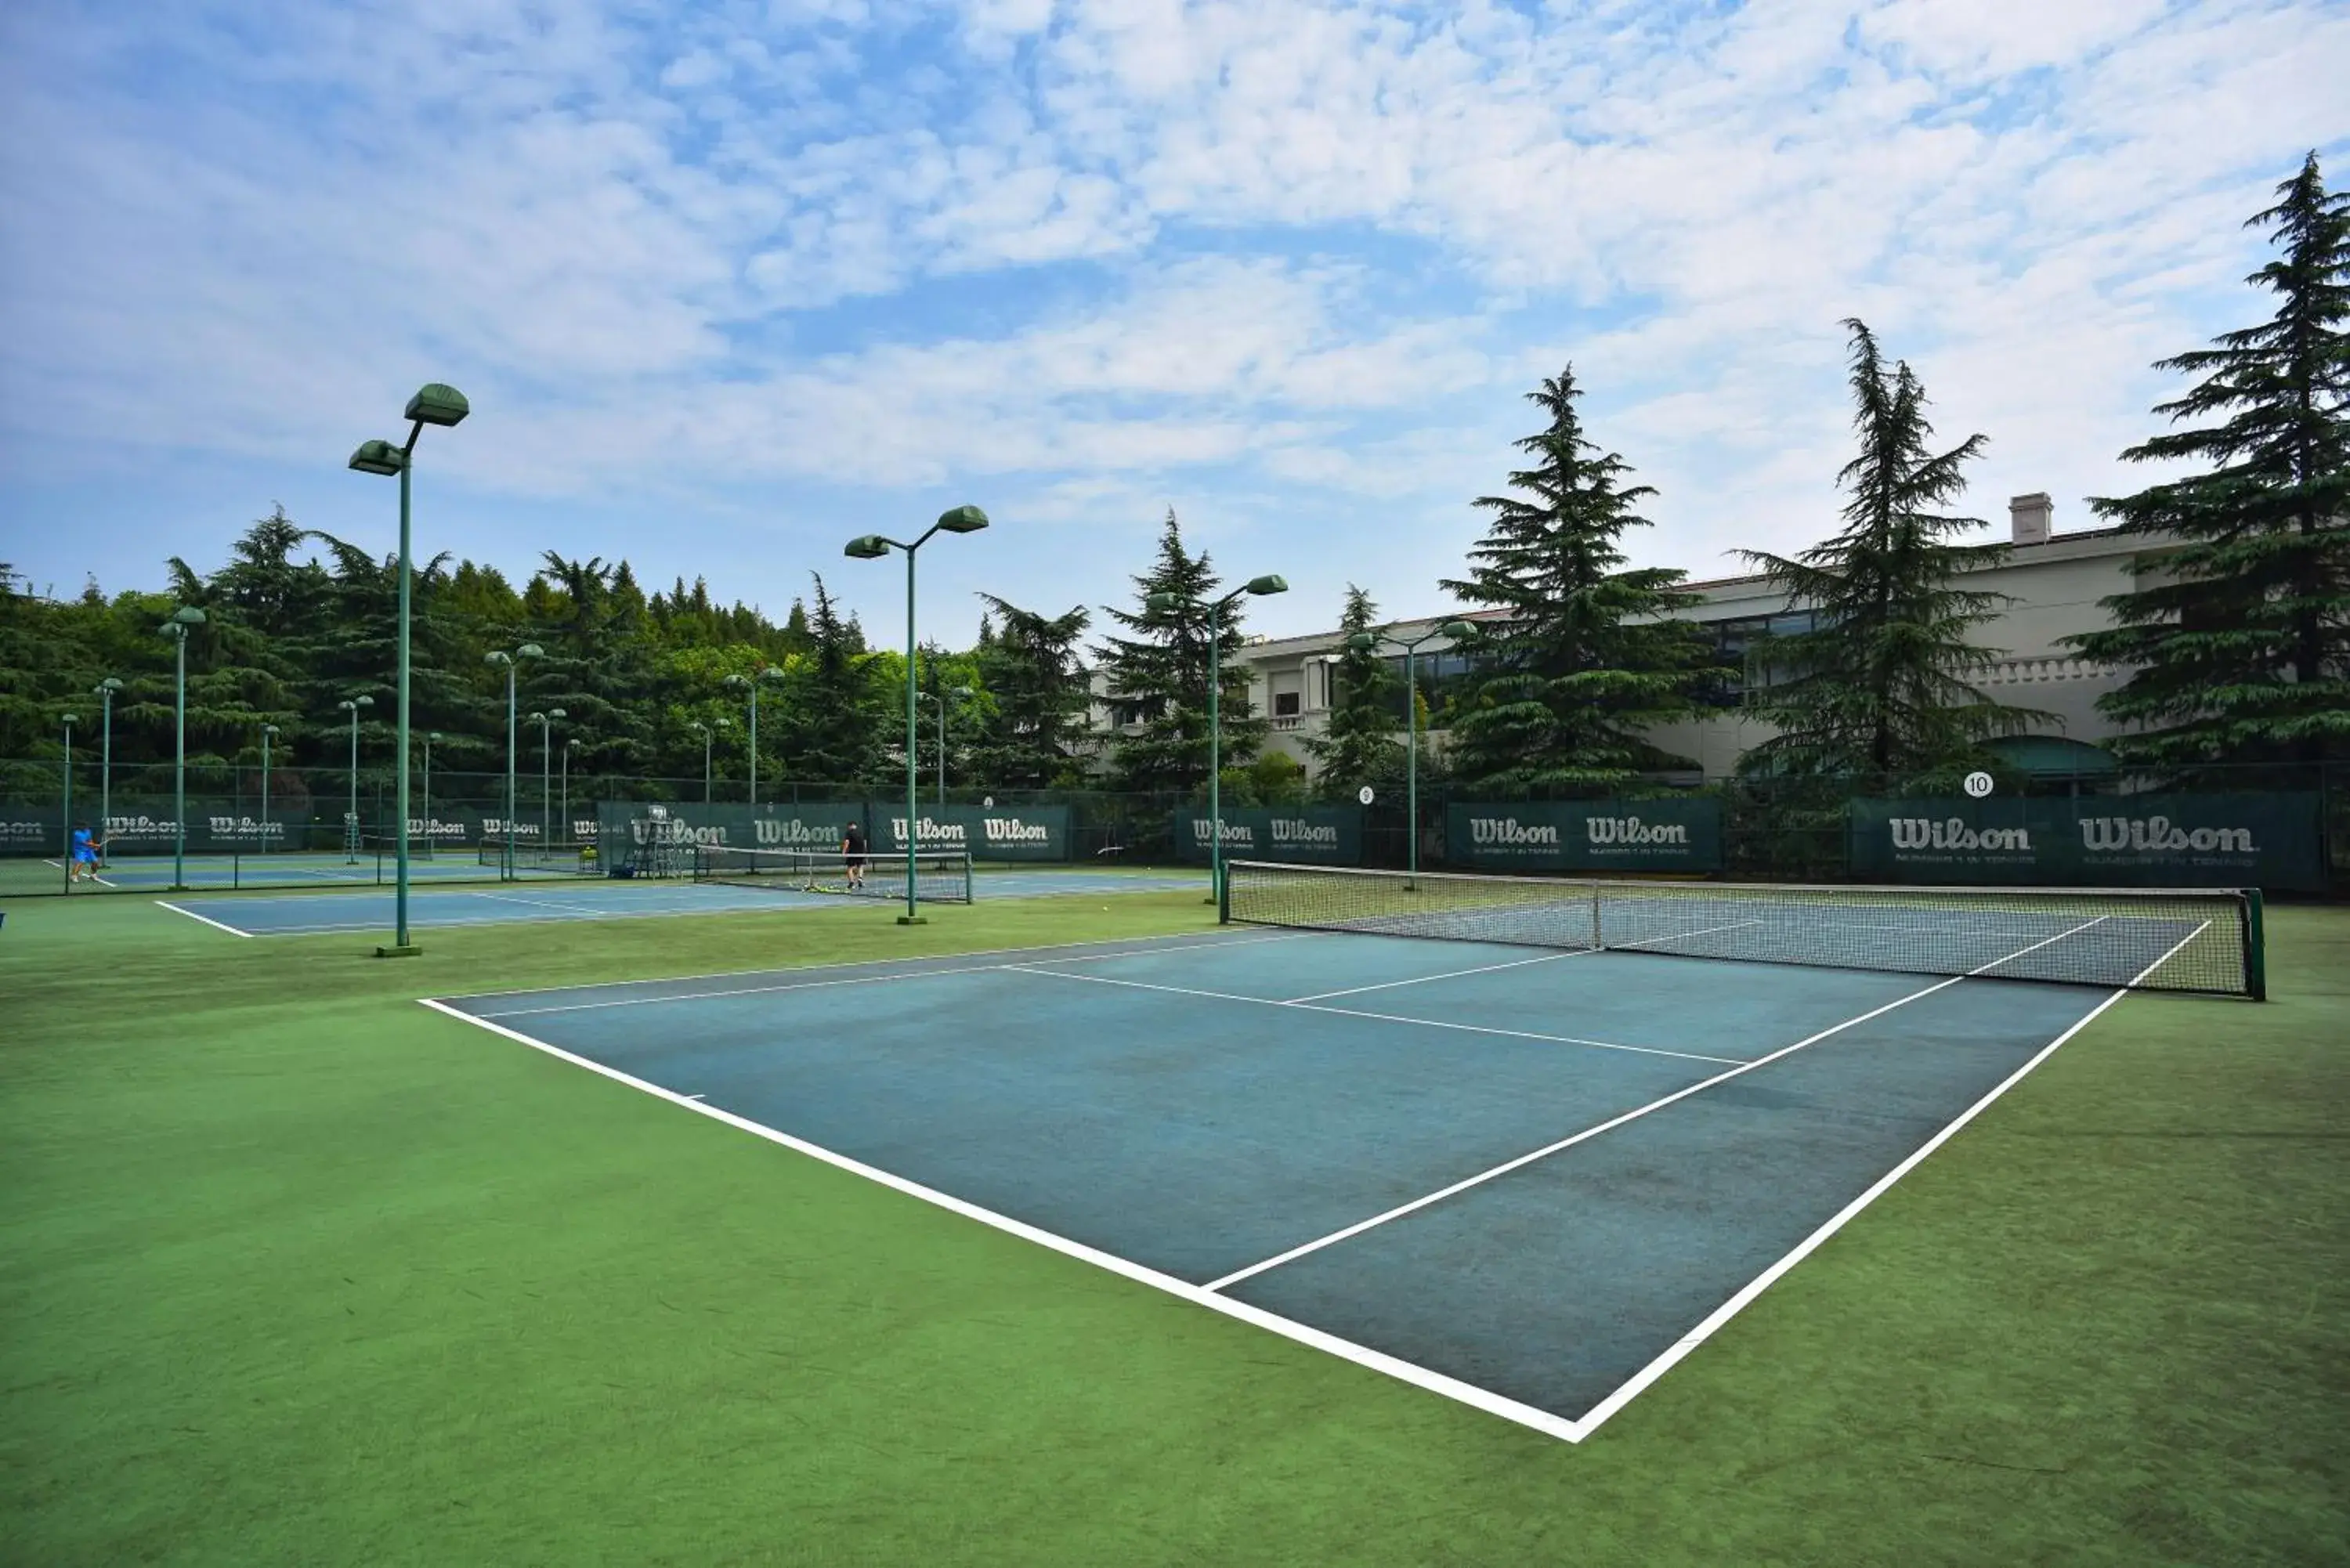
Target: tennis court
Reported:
[(1530, 1174), (603, 898)]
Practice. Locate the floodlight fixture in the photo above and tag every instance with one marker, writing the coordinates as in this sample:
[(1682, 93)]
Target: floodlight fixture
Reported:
[(438, 404), (379, 457)]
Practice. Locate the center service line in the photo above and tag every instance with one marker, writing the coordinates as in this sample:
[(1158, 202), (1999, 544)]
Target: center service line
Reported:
[(1633, 1114)]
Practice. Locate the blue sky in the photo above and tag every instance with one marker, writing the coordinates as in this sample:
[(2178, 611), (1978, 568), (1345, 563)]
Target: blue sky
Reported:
[(729, 284)]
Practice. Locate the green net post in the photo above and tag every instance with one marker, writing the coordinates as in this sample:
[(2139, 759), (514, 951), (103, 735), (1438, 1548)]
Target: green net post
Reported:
[(1224, 898), (2256, 968)]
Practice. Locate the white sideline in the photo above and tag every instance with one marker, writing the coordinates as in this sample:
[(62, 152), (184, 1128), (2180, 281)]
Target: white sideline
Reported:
[(1400, 1210), (1468, 1394), (1632, 1386), (215, 925)]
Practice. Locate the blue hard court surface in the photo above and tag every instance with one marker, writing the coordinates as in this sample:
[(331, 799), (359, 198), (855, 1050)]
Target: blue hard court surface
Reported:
[(1218, 1108), (604, 898)]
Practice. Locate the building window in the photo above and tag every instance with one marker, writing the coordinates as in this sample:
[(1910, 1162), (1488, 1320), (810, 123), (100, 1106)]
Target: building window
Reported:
[(1284, 704)]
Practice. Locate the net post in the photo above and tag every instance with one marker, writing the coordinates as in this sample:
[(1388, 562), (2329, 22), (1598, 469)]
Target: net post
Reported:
[(1225, 897), (2256, 973)]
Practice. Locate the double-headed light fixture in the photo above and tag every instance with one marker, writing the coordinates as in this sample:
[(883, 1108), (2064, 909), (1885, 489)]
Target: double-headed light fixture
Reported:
[(1213, 611), (1453, 631), (872, 547), (434, 404)]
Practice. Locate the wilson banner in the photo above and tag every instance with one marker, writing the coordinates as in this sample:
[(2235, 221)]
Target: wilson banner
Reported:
[(2141, 840), (1313, 834), (1663, 835)]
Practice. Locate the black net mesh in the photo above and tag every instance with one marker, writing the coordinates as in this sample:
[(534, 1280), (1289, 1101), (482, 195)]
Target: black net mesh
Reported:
[(2150, 938), (940, 877)]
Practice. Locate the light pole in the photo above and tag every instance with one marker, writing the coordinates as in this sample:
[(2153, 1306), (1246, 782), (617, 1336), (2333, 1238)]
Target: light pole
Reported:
[(1166, 604), (267, 732), (965, 693), (872, 547), (512, 661), (351, 818), (1456, 631), (570, 746), (176, 628), (750, 683), (433, 404), (431, 838), (546, 771), (105, 691), (66, 824), (707, 734)]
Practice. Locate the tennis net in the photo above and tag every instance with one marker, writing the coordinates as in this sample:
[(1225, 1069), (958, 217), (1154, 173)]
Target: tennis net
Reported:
[(2200, 940), (579, 860), (941, 875)]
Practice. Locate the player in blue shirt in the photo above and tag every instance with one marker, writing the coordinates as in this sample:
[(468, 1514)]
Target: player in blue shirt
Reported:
[(84, 858)]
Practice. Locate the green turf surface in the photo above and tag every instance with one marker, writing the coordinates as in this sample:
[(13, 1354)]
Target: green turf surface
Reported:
[(298, 1271)]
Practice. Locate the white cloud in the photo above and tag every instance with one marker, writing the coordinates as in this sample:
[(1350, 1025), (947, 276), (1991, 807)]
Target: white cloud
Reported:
[(1270, 259)]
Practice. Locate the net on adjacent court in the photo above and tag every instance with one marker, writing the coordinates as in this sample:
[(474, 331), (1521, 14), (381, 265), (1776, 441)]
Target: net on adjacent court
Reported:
[(579, 858), (940, 877), (2204, 939)]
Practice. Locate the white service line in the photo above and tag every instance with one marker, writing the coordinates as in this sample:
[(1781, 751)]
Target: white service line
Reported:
[(543, 904), (1468, 1394), (215, 925), (1376, 1017), (1679, 936), (1544, 1152), (858, 980), (1448, 974)]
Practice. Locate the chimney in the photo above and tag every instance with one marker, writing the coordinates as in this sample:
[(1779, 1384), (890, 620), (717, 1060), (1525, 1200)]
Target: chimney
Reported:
[(2028, 518)]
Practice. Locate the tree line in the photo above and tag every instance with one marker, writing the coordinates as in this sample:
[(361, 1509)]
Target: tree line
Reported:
[(2235, 639)]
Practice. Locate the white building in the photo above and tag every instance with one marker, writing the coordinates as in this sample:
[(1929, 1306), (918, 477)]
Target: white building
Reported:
[(2054, 583)]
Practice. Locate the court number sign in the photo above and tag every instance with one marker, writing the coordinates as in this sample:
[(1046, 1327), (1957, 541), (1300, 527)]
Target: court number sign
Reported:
[(1978, 785), (1365, 794)]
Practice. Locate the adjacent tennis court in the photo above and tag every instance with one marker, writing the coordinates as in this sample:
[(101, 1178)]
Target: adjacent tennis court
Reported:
[(605, 898), (1529, 1178)]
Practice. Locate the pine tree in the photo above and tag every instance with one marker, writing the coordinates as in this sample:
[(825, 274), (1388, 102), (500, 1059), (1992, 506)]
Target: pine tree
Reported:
[(2238, 637), (1030, 670), (1160, 677), (834, 727), (1879, 687), (1359, 745), (1584, 660)]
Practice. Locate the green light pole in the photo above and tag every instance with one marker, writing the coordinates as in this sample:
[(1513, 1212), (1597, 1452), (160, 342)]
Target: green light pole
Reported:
[(105, 691), (750, 683), (1173, 604), (351, 818), (1456, 631), (433, 404), (545, 723), (872, 547), (512, 662), (176, 628), (964, 692), (707, 734), (432, 839), (570, 746), (67, 824), (267, 732)]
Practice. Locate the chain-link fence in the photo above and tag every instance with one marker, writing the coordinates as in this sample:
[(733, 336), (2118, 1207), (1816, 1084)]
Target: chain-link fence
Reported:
[(2282, 827)]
